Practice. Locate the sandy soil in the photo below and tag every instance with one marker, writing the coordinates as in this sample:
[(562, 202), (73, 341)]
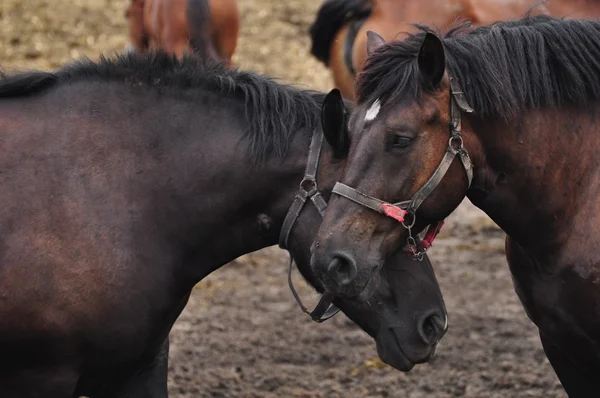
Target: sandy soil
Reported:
[(241, 334)]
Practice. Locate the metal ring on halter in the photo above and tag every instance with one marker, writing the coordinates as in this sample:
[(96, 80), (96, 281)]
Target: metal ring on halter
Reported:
[(414, 220), (453, 139), (309, 185)]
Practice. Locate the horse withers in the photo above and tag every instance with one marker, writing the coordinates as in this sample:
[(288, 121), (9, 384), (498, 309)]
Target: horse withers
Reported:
[(127, 181), (507, 115), (207, 27)]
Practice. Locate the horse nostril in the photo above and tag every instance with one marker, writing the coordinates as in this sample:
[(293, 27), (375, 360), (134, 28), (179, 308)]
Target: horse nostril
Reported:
[(432, 329), (342, 269)]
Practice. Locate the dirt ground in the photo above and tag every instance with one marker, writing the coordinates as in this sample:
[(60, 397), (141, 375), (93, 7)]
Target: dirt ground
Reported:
[(241, 334)]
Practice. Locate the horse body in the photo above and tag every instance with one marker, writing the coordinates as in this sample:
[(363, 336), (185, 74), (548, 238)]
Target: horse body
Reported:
[(515, 108), (131, 184), (392, 19), (208, 27), (551, 243), (118, 215)]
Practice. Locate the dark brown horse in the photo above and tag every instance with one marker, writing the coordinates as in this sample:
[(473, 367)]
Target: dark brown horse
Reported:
[(508, 115), (207, 27), (125, 182), (339, 31)]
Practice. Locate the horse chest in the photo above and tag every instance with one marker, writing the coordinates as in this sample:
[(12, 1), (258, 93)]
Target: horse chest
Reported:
[(564, 304)]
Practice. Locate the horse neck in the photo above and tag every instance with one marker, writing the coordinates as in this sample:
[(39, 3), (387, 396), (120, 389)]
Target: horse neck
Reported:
[(223, 205), (537, 176)]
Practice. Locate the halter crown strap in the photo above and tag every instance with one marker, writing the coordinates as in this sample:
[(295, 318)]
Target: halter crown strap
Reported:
[(459, 96), (308, 190), (458, 103)]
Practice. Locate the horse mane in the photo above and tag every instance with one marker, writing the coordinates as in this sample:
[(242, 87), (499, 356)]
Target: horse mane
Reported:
[(503, 68), (274, 112), (332, 15)]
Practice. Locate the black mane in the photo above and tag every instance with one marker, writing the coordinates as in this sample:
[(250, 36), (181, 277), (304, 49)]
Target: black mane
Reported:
[(503, 68), (274, 111)]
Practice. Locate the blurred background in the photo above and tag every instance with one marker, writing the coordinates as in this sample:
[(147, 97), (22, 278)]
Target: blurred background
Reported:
[(242, 334)]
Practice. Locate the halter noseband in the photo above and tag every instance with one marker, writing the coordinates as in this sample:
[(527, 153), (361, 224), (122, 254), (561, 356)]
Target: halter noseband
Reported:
[(399, 210), (308, 190)]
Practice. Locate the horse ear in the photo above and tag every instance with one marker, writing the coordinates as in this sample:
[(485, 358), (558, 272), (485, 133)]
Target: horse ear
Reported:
[(334, 123), (374, 41), (432, 60)]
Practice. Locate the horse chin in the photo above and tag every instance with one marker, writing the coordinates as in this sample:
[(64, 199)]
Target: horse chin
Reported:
[(390, 352), (395, 350)]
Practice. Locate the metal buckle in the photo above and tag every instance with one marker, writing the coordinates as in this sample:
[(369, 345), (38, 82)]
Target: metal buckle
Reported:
[(309, 185)]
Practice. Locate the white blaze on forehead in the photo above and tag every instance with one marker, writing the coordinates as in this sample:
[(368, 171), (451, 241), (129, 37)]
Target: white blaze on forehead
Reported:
[(373, 111)]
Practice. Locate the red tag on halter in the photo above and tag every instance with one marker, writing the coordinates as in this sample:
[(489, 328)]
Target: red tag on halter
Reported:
[(394, 211), (431, 234)]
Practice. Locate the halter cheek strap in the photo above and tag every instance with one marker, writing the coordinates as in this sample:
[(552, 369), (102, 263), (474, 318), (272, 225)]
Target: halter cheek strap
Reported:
[(308, 190), (399, 210)]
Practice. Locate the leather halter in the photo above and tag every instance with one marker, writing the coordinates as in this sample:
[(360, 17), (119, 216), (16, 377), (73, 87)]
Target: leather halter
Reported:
[(308, 190), (399, 210)]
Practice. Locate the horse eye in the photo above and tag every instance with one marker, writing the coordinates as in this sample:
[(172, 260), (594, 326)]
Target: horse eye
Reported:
[(400, 141)]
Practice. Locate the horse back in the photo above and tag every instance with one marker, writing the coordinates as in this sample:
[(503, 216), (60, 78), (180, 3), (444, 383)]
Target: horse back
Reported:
[(69, 227)]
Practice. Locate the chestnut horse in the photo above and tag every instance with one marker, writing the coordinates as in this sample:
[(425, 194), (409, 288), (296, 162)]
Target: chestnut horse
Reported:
[(208, 27), (579, 9), (508, 115), (126, 182), (339, 31)]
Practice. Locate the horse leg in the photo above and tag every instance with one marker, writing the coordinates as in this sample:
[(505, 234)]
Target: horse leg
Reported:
[(39, 382), (178, 48), (578, 382), (175, 32), (226, 23), (151, 382), (137, 34)]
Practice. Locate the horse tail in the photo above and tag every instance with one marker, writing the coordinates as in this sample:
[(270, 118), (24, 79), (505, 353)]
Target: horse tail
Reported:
[(200, 28), (332, 15)]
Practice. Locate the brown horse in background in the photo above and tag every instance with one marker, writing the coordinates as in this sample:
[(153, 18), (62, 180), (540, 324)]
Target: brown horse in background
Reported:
[(339, 38), (580, 9), (208, 27)]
